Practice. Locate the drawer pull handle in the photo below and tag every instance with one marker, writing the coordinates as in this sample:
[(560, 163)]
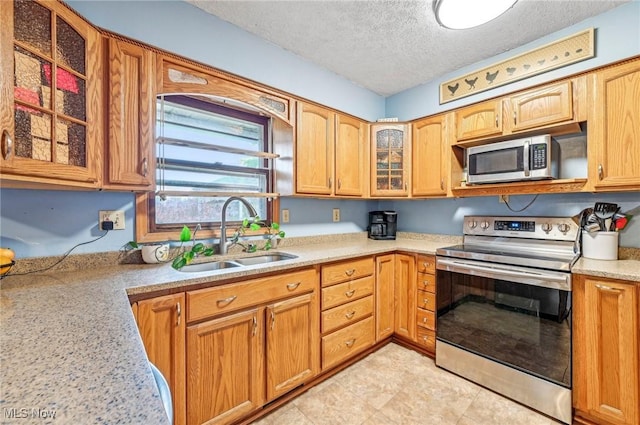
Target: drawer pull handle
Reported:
[(350, 293), (226, 301), (600, 172), (426, 301), (425, 338), (350, 314), (350, 272), (145, 167), (426, 265), (424, 320), (608, 288), (273, 319), (7, 145), (293, 286), (255, 326), (178, 313), (350, 342), (425, 283)]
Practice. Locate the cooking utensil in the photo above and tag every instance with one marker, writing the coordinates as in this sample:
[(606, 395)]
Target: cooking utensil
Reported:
[(604, 210)]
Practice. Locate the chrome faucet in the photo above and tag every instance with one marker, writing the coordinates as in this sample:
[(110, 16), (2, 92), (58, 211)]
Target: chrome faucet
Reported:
[(223, 222)]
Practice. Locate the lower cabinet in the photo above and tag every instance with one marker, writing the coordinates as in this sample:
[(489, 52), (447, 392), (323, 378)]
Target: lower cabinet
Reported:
[(405, 296), (385, 276), (606, 352), (162, 328), (426, 307)]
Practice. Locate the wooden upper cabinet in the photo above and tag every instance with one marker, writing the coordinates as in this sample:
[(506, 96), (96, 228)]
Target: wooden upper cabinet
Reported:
[(51, 115), (540, 107), (606, 352), (314, 150), (430, 144), (480, 120), (162, 327), (131, 105), (614, 128), (390, 159), (351, 156)]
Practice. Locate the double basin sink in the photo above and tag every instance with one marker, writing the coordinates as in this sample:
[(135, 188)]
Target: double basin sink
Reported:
[(237, 262)]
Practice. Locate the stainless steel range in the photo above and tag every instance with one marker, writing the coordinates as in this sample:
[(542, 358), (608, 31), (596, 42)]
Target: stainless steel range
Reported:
[(504, 308)]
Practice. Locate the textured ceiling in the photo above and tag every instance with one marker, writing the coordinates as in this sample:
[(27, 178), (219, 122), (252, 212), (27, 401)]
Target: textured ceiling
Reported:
[(388, 46)]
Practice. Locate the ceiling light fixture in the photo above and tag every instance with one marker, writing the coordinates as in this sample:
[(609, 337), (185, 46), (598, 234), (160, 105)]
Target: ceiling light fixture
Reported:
[(463, 14)]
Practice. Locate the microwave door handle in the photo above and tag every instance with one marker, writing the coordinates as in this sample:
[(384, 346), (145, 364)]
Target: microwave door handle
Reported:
[(525, 158), (496, 272)]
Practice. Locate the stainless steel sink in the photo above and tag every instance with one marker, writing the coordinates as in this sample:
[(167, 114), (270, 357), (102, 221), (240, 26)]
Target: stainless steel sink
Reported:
[(210, 266), (238, 262), (264, 259)]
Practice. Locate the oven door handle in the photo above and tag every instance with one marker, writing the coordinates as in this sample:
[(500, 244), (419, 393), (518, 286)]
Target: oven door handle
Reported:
[(552, 280)]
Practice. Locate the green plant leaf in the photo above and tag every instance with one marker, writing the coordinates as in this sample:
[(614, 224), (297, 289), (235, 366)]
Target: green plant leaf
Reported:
[(189, 256), (275, 226), (133, 244), (185, 234), (254, 226), (252, 248), (245, 222), (208, 252), (199, 247), (267, 245), (281, 233), (179, 262)]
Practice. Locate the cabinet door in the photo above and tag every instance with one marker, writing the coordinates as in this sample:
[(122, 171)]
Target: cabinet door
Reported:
[(540, 107), (351, 156), (405, 296), (430, 142), (162, 328), (51, 80), (293, 344), (391, 160), (385, 276), (479, 120), (225, 370), (130, 146), (606, 350), (615, 125), (314, 150)]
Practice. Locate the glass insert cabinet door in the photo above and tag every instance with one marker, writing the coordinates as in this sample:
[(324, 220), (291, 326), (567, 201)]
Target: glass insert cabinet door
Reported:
[(391, 158), (50, 71)]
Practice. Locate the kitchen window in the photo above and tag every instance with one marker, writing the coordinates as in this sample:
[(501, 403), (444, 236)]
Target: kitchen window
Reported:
[(205, 153)]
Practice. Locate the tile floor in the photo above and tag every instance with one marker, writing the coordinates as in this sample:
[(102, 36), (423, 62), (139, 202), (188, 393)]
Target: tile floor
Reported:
[(394, 386)]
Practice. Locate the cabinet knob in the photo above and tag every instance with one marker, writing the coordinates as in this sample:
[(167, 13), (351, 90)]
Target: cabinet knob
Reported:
[(441, 184), (178, 313), (600, 172), (339, 183), (515, 118), (330, 183), (350, 272), (350, 293), (293, 286), (350, 314), (7, 145), (496, 120), (145, 167)]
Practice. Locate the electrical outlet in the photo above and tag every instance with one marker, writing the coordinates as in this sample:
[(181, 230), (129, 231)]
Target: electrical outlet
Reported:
[(503, 199), (117, 217), (336, 214), (285, 216)]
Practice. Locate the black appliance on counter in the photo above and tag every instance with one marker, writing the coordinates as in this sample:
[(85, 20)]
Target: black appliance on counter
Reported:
[(382, 225)]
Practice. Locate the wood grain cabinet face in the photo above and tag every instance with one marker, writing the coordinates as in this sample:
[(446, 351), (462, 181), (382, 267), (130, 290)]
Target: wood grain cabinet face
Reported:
[(614, 136), (314, 150), (480, 120), (50, 121), (390, 159), (292, 339), (606, 353), (405, 296), (385, 276), (540, 107), (162, 328), (430, 143), (225, 368), (351, 157), (131, 105)]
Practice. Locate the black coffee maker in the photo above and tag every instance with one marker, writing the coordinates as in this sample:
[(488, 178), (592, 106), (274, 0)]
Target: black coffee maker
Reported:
[(382, 225)]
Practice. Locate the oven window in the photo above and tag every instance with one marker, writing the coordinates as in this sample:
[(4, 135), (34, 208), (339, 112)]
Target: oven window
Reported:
[(498, 161), (523, 326)]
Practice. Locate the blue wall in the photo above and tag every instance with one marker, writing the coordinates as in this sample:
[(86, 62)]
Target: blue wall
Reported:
[(42, 223)]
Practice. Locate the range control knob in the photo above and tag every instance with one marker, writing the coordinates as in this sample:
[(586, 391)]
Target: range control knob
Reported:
[(472, 224), (484, 225), (563, 227), (546, 227)]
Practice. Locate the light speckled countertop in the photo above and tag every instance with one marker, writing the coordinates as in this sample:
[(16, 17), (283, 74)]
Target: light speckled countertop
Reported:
[(69, 343)]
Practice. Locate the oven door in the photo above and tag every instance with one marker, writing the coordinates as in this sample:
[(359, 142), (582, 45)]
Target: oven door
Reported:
[(517, 316)]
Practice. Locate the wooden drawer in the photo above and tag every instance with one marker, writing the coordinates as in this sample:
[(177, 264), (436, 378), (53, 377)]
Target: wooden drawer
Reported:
[(348, 313), (344, 292), (427, 338), (426, 300), (426, 264), (426, 319), (427, 282), (204, 303), (340, 345), (346, 270)]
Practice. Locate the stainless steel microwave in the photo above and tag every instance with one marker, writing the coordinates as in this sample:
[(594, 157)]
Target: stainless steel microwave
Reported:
[(531, 158)]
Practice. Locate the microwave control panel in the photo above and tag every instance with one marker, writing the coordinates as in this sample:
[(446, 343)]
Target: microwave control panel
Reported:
[(538, 156)]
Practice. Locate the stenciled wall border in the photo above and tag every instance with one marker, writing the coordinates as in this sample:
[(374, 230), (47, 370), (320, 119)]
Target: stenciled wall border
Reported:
[(565, 51)]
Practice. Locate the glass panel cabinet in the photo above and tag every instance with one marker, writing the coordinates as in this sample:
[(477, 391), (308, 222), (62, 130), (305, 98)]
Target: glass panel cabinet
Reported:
[(50, 115), (391, 159)]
